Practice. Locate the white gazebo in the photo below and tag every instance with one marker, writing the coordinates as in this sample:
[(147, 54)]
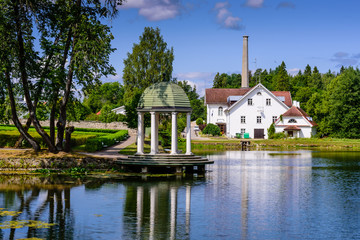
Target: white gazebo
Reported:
[(163, 98)]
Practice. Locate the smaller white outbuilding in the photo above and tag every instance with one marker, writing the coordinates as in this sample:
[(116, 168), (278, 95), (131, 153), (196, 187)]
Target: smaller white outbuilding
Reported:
[(119, 110), (296, 123)]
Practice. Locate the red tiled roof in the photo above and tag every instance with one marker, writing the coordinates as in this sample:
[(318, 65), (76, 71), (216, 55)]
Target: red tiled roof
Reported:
[(298, 112), (292, 128), (286, 94), (220, 95)]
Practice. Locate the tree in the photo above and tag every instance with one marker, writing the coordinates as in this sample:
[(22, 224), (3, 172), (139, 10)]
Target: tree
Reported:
[(342, 116), (197, 105), (282, 78), (111, 94), (70, 32), (150, 62), (316, 80), (220, 80)]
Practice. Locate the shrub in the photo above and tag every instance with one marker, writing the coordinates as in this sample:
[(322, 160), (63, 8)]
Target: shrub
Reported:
[(202, 126), (199, 121), (96, 144), (278, 135), (212, 129), (271, 131)]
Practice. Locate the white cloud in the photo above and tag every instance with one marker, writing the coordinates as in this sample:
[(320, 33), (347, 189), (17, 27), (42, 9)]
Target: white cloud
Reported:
[(225, 17), (155, 10), (293, 71), (254, 3), (344, 59), (201, 80), (285, 5)]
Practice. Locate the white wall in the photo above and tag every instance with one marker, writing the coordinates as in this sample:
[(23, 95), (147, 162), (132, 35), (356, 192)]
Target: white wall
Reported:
[(212, 113), (259, 108), (306, 129)]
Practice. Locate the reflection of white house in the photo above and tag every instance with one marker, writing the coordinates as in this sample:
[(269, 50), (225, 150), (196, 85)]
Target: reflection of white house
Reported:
[(296, 123), (245, 110), (119, 110)]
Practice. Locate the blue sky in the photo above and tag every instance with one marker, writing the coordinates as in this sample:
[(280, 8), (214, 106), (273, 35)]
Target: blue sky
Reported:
[(207, 35)]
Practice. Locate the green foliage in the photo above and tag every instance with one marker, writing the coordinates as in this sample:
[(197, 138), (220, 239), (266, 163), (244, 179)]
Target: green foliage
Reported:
[(211, 129), (271, 131), (96, 144), (340, 106), (282, 78), (76, 171), (279, 135), (150, 62), (199, 121), (110, 94)]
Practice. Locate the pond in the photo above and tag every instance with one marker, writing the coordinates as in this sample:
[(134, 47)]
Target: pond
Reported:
[(244, 195)]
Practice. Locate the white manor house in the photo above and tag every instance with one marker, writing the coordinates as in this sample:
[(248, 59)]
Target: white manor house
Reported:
[(251, 111)]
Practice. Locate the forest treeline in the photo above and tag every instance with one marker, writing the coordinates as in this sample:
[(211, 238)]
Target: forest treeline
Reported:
[(331, 99)]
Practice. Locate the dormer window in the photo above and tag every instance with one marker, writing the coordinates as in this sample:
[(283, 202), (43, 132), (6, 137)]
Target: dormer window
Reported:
[(292, 121), (250, 101), (220, 111)]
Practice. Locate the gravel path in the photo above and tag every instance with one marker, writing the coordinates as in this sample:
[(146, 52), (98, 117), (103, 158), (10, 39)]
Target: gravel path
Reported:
[(113, 151)]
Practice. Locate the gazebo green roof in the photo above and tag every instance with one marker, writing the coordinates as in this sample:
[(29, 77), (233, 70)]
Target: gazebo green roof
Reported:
[(164, 97)]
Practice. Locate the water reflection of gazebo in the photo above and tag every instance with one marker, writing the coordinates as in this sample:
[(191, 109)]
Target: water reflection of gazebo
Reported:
[(164, 98)]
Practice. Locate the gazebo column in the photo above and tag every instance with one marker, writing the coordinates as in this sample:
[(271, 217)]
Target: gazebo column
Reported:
[(140, 133), (153, 133), (173, 133), (157, 116), (188, 133)]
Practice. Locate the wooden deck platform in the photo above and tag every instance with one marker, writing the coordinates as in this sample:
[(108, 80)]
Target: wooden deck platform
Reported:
[(165, 163)]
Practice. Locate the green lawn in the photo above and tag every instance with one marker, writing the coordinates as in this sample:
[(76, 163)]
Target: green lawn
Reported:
[(9, 135)]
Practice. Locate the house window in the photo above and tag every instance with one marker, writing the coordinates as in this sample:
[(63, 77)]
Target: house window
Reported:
[(292, 121), (250, 101), (258, 119), (220, 111), (268, 102), (274, 119), (242, 130), (258, 93), (242, 119)]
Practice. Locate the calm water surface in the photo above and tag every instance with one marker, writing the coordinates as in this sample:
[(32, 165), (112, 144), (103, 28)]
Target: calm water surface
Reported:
[(244, 195)]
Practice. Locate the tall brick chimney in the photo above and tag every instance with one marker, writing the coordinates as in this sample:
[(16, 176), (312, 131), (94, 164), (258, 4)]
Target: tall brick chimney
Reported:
[(245, 64)]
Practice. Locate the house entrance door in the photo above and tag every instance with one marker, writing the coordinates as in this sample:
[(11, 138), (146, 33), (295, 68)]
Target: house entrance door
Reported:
[(259, 133), (222, 128)]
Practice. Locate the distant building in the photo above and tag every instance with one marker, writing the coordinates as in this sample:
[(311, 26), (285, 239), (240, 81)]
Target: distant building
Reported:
[(119, 110), (252, 110), (245, 110), (296, 123)]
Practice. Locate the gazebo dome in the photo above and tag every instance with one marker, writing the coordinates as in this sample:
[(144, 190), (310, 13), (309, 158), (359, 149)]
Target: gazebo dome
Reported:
[(164, 97)]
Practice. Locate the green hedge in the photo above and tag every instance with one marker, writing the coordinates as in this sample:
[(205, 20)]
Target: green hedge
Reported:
[(9, 139), (96, 144)]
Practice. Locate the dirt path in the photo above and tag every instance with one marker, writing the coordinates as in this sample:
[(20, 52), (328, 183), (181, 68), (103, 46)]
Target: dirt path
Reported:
[(196, 136)]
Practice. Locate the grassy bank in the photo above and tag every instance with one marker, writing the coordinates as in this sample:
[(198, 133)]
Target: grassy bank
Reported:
[(82, 139)]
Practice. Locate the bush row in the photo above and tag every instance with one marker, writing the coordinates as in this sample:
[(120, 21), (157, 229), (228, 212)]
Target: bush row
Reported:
[(96, 144), (5, 127)]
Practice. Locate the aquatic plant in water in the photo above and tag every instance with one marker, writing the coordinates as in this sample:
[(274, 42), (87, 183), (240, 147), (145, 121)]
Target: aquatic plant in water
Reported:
[(25, 223), (8, 213)]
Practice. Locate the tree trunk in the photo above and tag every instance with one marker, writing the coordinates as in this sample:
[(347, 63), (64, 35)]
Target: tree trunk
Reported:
[(25, 83), (68, 132), (38, 92), (15, 118), (52, 122), (21, 138)]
